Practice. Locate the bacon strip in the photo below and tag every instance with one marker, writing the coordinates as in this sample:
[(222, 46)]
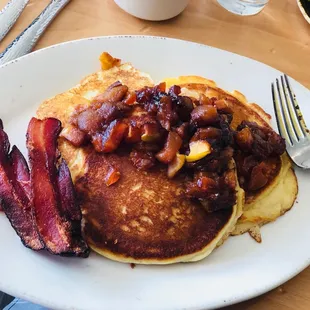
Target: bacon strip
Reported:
[(68, 203), (53, 200), (21, 172), (70, 208), (14, 193)]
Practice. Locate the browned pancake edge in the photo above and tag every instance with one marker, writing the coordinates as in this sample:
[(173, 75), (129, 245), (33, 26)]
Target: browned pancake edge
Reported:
[(144, 215)]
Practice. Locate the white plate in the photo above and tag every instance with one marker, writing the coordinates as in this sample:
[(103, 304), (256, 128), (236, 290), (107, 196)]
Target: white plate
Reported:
[(238, 270)]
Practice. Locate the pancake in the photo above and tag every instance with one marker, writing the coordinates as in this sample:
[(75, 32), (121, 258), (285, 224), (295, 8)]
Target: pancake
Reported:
[(144, 217), (274, 201), (63, 105), (277, 196)]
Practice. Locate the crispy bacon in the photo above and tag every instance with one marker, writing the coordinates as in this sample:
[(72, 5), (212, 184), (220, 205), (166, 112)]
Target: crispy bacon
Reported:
[(14, 193), (68, 203), (70, 209), (53, 207), (20, 172)]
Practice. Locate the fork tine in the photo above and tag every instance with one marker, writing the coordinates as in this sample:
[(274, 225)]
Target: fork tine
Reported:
[(287, 119), (300, 125), (290, 115), (279, 115)]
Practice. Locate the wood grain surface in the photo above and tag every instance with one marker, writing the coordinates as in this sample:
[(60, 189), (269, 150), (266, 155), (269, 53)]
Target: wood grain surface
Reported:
[(278, 36)]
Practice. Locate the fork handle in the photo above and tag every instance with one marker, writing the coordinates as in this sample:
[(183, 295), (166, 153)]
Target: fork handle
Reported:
[(9, 15), (26, 40)]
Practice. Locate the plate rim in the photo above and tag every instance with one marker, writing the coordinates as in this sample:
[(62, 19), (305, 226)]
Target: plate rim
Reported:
[(136, 36), (241, 297)]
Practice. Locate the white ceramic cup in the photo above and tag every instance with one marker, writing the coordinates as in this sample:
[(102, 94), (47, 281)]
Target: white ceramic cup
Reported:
[(153, 9)]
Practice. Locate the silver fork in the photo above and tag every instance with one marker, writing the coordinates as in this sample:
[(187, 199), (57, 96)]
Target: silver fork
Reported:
[(25, 41), (10, 14), (291, 124)]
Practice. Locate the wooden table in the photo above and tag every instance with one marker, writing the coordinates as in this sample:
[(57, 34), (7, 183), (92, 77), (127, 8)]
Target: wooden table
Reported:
[(278, 36)]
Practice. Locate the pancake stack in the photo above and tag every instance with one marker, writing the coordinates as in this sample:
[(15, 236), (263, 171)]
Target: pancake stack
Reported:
[(278, 196), (145, 216)]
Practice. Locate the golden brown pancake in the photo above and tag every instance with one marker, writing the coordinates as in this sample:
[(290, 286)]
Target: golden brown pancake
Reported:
[(277, 196), (144, 217), (275, 199)]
